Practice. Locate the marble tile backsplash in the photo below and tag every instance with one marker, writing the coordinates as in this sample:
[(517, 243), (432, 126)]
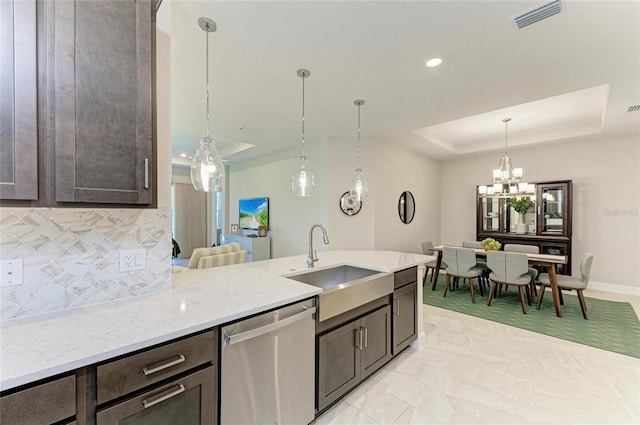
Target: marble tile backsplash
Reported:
[(71, 256)]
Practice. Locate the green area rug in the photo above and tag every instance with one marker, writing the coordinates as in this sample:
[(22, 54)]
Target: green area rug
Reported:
[(612, 325)]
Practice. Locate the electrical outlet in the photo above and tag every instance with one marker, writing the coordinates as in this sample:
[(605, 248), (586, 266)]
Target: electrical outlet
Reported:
[(11, 272), (133, 259)]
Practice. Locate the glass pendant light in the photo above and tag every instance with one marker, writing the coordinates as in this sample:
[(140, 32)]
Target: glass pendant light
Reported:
[(358, 185), (207, 170), (302, 180)]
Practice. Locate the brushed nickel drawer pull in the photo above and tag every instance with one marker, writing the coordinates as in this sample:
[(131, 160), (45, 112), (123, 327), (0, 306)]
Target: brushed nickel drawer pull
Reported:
[(163, 365), (366, 337), (162, 396), (146, 173)]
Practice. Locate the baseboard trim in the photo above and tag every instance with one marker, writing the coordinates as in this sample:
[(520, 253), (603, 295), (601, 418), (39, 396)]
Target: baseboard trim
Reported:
[(614, 288)]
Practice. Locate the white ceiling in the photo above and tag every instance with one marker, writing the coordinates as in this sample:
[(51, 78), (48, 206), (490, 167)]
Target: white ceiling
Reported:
[(572, 75)]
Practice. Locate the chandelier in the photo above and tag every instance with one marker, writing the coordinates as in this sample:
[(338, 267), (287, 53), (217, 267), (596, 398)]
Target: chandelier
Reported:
[(506, 180)]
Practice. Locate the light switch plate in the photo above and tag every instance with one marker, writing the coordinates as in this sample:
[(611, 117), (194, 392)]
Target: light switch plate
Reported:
[(133, 259), (11, 272)]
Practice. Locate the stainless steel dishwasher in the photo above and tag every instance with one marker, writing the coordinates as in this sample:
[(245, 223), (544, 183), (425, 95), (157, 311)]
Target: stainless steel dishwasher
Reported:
[(268, 368)]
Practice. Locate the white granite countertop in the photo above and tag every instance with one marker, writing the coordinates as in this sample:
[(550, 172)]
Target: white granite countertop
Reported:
[(46, 345)]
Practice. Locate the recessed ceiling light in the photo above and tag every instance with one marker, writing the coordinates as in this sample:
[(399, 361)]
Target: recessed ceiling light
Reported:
[(433, 62), (184, 155)]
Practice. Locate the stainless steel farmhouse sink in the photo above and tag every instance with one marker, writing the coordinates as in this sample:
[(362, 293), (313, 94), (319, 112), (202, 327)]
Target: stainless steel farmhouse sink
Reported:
[(346, 287)]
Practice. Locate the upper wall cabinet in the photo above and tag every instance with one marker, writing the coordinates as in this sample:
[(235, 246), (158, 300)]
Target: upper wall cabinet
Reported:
[(101, 86), (18, 101)]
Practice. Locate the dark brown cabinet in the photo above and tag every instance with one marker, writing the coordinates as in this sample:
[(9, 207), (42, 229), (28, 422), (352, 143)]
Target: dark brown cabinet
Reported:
[(44, 403), (548, 222), (338, 363), (350, 353), (172, 383), (404, 309), (18, 101), (375, 347), (188, 400), (102, 110), (77, 103)]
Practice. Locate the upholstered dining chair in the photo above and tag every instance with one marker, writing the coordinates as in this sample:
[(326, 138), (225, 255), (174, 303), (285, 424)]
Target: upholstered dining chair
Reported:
[(461, 263), (510, 269), (427, 249), (568, 283), (530, 249), (484, 278), (472, 244)]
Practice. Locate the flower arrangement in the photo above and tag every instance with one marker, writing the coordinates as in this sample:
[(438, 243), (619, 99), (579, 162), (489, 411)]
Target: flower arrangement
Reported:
[(490, 244), (521, 205)]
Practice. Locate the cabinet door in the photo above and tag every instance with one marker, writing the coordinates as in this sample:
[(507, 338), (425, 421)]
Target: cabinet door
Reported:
[(555, 202), (18, 101), (376, 350), (405, 321), (338, 363), (187, 401), (102, 111), (489, 214)]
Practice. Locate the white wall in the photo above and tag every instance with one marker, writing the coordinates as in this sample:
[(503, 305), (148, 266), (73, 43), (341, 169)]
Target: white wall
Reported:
[(397, 170), (389, 169), (188, 52), (290, 217), (163, 118), (350, 232), (606, 200)]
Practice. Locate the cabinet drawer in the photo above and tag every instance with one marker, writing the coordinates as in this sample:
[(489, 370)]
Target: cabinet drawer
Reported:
[(404, 277), (42, 404), (186, 401), (131, 373)]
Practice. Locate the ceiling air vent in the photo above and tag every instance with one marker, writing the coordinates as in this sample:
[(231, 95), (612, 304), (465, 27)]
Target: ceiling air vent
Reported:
[(634, 108), (538, 13)]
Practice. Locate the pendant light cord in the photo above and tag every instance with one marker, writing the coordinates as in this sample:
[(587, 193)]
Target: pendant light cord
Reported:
[(358, 163), (506, 150), (506, 124), (207, 80), (303, 78)]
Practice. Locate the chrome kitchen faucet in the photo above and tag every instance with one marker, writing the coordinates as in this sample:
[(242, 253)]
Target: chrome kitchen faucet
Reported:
[(312, 258)]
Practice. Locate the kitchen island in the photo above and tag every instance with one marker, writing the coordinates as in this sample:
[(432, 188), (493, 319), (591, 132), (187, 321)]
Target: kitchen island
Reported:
[(47, 345)]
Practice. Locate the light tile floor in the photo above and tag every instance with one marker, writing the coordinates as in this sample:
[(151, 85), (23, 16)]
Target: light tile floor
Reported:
[(473, 371)]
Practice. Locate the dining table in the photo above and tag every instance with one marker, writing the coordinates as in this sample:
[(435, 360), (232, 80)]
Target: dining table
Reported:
[(546, 260)]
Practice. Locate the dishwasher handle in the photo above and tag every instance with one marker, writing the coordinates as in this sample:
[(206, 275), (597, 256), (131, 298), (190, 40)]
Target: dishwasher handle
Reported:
[(253, 333)]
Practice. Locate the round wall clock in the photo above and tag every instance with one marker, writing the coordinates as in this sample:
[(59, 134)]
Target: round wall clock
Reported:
[(349, 204)]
